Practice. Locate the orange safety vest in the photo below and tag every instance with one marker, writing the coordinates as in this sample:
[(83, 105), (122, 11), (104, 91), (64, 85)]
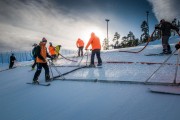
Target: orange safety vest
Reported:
[(52, 50), (43, 53), (80, 43), (95, 42)]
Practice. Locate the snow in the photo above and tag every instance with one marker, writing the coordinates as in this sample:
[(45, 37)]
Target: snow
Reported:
[(73, 100)]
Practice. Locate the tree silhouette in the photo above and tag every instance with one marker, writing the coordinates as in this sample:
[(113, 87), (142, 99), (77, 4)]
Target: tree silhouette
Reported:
[(105, 44), (116, 40), (144, 29)]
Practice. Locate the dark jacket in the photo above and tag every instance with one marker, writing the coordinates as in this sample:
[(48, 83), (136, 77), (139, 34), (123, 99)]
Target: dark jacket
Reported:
[(12, 58), (166, 27)]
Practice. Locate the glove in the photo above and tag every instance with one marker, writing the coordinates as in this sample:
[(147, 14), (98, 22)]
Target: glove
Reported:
[(156, 27), (44, 60), (177, 46), (51, 58)]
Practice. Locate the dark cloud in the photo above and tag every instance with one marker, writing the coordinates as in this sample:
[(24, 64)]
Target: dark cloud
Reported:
[(63, 21)]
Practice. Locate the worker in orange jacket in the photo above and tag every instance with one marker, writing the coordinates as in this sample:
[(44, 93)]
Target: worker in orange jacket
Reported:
[(52, 50), (42, 54), (80, 46), (94, 41)]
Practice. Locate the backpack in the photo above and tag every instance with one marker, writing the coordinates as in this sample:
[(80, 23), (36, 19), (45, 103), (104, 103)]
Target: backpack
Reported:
[(34, 52)]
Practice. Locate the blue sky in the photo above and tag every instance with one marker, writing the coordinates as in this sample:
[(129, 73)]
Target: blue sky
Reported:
[(24, 22)]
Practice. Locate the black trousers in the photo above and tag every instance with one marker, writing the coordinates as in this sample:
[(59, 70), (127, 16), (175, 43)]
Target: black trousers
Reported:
[(11, 64), (98, 55), (39, 69), (80, 51), (165, 43)]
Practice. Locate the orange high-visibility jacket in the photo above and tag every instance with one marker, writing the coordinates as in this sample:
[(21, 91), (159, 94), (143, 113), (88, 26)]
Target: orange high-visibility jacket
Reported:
[(79, 43), (43, 53), (94, 41), (52, 50)]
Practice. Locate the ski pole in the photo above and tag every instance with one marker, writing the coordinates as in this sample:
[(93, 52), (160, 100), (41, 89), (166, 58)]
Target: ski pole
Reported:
[(57, 71), (82, 58), (160, 66), (177, 65), (50, 68), (87, 57)]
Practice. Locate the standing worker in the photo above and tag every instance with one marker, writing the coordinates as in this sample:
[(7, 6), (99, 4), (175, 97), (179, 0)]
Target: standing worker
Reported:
[(12, 60), (52, 50), (41, 61), (165, 28), (57, 49), (80, 45), (96, 47)]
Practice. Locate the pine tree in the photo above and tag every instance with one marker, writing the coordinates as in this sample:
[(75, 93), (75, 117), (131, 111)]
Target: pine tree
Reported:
[(105, 44), (144, 29), (116, 40)]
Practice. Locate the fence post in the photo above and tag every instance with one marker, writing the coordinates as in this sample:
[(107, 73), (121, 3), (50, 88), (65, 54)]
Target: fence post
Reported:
[(1, 58), (26, 55)]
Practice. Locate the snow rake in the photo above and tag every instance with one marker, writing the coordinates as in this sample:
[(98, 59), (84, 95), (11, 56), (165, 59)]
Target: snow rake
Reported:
[(160, 66), (119, 82), (177, 66), (60, 74)]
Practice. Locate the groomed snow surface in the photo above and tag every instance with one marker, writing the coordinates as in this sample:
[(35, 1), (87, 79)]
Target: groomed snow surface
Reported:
[(82, 95)]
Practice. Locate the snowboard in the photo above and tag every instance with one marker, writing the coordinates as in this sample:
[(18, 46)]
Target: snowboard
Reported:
[(40, 84), (174, 90), (158, 54)]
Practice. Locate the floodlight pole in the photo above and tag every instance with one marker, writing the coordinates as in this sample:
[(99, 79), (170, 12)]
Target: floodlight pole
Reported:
[(147, 12), (107, 20)]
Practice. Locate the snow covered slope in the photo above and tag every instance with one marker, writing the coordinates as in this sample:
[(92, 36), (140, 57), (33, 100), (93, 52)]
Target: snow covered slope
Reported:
[(96, 100)]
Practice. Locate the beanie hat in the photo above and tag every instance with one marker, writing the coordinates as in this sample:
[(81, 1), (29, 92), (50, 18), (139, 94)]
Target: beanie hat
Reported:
[(44, 39)]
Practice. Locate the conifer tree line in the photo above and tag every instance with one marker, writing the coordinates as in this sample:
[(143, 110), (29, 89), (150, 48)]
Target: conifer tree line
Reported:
[(130, 40)]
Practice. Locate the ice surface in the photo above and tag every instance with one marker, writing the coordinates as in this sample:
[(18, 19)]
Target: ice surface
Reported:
[(72, 100)]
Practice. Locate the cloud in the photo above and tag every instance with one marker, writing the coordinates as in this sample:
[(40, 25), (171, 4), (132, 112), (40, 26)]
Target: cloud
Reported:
[(166, 9), (24, 22)]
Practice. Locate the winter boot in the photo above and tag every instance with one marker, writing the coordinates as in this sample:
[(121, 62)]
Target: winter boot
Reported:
[(47, 77), (35, 81), (165, 51), (92, 65), (99, 64)]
